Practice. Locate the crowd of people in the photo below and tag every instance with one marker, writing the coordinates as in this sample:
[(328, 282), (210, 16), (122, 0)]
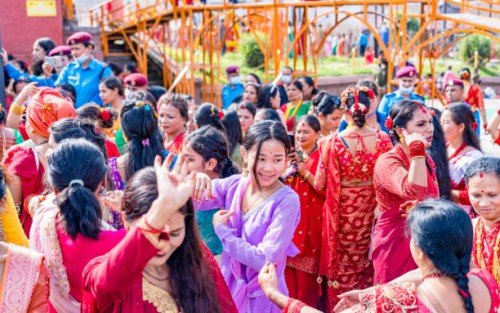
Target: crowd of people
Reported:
[(117, 196)]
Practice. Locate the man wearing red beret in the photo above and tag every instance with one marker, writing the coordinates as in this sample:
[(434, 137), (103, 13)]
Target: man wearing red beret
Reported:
[(85, 72), (234, 89), (454, 90), (134, 82), (407, 77)]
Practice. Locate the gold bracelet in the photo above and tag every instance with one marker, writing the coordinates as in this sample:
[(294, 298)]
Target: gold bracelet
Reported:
[(17, 109)]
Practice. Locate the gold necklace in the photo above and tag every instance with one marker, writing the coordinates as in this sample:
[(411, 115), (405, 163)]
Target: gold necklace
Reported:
[(495, 266)]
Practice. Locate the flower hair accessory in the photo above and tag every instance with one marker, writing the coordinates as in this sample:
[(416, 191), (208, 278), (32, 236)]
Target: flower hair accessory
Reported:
[(139, 104), (389, 123), (145, 142), (221, 115), (105, 115), (474, 125)]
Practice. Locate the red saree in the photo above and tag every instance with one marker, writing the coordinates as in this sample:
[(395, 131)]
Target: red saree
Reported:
[(114, 283), (302, 270), (486, 249), (474, 96), (22, 162), (402, 297), (348, 213), (391, 246)]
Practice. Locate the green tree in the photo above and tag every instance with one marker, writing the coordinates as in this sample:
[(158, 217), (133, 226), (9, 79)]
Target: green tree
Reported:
[(251, 51), (473, 43)]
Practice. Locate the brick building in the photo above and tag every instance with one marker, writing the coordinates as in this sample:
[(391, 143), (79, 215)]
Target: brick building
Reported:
[(19, 31)]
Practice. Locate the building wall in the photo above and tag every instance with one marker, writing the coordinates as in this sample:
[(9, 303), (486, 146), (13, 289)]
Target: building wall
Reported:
[(19, 31)]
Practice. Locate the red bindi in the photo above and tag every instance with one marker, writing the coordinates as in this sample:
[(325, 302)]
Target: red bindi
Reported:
[(480, 175)]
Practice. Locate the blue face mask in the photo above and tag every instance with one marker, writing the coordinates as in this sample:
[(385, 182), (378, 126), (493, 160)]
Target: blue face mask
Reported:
[(83, 58)]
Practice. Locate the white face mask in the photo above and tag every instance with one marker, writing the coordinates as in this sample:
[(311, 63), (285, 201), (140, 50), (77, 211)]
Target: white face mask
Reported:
[(235, 80), (127, 93), (287, 79), (405, 91), (84, 57)]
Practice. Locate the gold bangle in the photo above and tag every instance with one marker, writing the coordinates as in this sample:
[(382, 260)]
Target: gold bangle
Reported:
[(17, 109)]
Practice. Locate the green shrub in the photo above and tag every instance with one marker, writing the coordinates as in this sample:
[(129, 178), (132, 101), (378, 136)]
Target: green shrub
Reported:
[(472, 43), (251, 51)]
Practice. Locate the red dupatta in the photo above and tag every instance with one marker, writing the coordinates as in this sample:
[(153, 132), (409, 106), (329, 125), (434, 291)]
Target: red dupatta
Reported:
[(175, 146), (22, 162)]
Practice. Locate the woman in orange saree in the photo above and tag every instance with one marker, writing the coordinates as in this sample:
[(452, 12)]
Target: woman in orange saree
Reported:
[(345, 173)]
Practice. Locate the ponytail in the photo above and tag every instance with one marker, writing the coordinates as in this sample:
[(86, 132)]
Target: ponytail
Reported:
[(77, 169), (80, 209)]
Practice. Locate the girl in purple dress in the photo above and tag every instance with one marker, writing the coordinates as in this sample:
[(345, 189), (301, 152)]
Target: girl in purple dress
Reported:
[(260, 215)]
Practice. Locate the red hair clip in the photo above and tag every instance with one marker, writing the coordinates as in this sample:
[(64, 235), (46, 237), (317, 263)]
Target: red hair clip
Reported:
[(105, 115), (474, 125), (221, 115), (389, 123)]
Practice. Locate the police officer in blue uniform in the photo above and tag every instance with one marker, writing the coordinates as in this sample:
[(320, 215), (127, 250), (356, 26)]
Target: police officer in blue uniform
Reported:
[(234, 89), (85, 72), (407, 77)]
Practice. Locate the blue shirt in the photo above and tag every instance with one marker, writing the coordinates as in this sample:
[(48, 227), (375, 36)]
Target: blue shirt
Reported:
[(388, 101), (231, 92), (363, 40), (85, 80), (41, 81)]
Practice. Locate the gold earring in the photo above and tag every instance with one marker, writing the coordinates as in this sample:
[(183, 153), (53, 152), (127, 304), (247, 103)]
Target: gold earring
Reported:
[(245, 168)]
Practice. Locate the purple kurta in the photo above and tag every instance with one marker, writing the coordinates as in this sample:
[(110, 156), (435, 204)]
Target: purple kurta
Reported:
[(251, 240)]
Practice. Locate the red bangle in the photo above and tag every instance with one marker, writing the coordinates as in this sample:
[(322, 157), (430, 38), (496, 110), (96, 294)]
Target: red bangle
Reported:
[(417, 148), (293, 306), (151, 229)]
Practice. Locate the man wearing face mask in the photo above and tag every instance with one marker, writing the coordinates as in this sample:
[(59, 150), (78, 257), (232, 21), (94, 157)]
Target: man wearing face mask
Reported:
[(85, 72), (234, 89), (407, 76), (286, 80), (135, 82)]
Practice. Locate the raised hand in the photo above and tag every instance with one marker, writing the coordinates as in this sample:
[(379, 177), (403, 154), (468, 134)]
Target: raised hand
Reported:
[(174, 188), (409, 138)]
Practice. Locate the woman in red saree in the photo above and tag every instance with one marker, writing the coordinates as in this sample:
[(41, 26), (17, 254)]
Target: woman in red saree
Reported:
[(161, 265), (483, 181), (74, 234), (301, 271), (345, 173), (403, 174), (27, 164), (473, 95), (441, 246), (172, 118)]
